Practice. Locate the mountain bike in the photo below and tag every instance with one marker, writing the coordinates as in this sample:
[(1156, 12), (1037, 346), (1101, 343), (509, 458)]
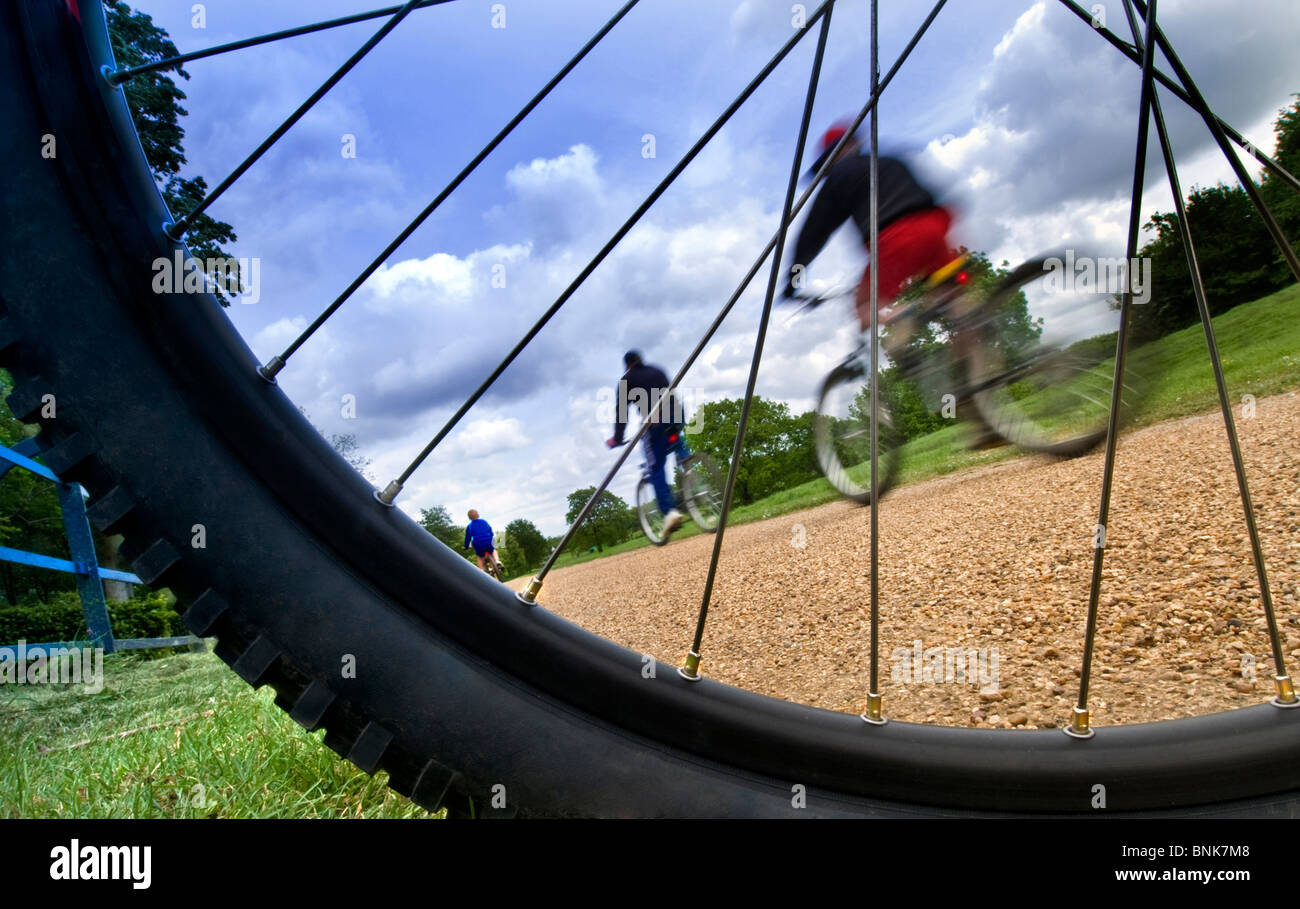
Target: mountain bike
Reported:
[(1014, 388), (700, 485)]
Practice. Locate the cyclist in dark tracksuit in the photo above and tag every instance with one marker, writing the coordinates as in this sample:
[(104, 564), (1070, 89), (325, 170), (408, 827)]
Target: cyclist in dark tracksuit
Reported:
[(644, 385), (479, 532)]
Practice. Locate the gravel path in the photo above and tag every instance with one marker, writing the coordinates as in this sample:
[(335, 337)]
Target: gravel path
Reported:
[(990, 568)]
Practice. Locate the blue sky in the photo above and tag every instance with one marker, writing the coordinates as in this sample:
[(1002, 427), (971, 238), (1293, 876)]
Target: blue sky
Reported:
[(1022, 116)]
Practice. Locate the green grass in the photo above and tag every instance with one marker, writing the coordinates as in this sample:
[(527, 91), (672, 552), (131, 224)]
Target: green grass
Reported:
[(1258, 342), (219, 749)]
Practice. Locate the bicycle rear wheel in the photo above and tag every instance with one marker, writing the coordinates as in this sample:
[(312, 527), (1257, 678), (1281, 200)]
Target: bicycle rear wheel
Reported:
[(1053, 398), (842, 435), (702, 488), (648, 514)]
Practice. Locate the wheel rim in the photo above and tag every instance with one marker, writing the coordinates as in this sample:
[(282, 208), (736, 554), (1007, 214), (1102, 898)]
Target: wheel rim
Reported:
[(648, 513), (703, 496)]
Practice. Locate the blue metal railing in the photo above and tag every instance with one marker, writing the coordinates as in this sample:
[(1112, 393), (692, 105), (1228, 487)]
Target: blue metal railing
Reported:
[(84, 564)]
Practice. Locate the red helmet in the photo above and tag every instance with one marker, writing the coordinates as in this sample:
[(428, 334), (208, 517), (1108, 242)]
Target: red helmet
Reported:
[(828, 141)]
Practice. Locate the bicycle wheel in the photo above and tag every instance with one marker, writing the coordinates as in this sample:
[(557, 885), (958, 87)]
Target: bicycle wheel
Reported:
[(702, 488), (1049, 398), (467, 693), (648, 514), (842, 435)]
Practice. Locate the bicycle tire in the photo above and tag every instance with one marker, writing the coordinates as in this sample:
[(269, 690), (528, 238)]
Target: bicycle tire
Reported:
[(703, 487), (463, 689), (831, 432), (1058, 401), (646, 507)]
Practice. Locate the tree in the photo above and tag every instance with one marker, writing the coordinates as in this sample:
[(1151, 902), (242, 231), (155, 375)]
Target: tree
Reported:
[(914, 401), (1012, 328), (778, 450), (611, 520), (1281, 199), (527, 546), (154, 100), (346, 445), (912, 412), (438, 522), (1237, 258)]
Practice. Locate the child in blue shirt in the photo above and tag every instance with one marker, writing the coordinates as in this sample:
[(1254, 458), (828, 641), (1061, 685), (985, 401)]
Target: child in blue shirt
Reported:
[(479, 532)]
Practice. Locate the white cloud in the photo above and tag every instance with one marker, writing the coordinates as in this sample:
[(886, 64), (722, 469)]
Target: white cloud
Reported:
[(483, 438)]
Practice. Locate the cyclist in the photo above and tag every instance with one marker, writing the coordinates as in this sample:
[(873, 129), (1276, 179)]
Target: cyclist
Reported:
[(913, 238), (645, 385), (479, 532)]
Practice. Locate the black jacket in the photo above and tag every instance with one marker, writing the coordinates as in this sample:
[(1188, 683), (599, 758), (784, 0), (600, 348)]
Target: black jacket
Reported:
[(847, 193), (643, 385)]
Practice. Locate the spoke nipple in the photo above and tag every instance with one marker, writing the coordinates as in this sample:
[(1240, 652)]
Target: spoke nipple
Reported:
[(874, 714), (1286, 696), (175, 230), (113, 77), (1078, 727), (390, 492), (271, 369), (528, 596), (691, 671)]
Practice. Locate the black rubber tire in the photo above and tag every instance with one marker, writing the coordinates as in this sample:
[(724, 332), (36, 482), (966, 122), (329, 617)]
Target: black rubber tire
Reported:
[(828, 459), (461, 692), (645, 503)]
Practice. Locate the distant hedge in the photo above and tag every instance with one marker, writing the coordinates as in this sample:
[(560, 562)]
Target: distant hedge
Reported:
[(148, 615)]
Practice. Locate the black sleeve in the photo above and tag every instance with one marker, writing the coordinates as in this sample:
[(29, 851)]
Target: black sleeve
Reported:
[(825, 216), (620, 410)]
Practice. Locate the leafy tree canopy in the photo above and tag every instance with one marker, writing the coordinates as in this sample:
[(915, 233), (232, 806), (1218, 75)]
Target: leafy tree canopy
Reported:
[(611, 520), (154, 99)]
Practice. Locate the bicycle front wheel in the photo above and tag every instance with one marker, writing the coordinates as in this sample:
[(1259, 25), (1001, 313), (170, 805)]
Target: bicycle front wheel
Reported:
[(648, 514), (842, 435)]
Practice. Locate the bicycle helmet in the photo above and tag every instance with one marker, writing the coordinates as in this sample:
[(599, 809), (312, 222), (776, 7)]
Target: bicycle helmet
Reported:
[(828, 141)]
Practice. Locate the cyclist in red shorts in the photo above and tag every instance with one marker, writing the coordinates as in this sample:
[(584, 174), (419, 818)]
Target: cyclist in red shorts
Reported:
[(913, 240), (913, 228)]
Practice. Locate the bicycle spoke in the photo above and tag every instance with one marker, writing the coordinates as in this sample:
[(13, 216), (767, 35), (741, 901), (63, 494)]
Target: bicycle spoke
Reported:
[(691, 669), (277, 363), (118, 76), (178, 228), (1079, 726), (1130, 51), (1286, 695), (391, 491), (529, 594), (874, 712)]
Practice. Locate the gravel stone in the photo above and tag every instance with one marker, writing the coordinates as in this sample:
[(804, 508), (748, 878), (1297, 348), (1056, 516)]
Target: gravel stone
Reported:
[(992, 564)]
